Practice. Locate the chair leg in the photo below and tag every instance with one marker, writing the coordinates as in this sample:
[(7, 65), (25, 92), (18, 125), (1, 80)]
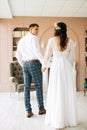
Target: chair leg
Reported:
[(12, 90), (18, 97)]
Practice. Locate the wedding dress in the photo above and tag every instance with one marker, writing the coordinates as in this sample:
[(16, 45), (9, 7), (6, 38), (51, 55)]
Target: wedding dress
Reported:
[(61, 95)]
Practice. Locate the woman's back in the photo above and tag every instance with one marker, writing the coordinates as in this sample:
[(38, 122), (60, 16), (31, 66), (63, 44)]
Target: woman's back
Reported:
[(57, 53)]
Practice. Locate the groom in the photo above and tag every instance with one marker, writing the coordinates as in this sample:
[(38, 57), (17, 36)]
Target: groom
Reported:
[(30, 58)]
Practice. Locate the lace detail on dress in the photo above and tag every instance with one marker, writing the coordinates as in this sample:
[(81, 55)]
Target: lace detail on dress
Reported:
[(48, 54), (52, 49), (71, 56)]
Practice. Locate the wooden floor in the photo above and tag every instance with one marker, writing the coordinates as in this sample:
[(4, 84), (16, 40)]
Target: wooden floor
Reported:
[(13, 115)]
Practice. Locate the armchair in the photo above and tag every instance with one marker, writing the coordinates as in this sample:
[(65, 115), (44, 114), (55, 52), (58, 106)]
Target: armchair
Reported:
[(16, 80)]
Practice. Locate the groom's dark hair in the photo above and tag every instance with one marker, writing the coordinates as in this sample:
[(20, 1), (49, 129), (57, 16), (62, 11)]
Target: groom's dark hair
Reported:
[(33, 25)]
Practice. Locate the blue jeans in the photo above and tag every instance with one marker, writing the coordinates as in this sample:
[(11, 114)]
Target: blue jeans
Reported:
[(32, 71)]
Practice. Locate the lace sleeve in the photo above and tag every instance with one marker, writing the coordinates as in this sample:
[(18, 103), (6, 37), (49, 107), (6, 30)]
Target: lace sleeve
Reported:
[(72, 56), (48, 54)]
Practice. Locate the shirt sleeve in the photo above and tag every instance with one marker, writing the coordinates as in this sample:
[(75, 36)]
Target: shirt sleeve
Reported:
[(19, 55), (72, 55), (36, 47), (48, 54)]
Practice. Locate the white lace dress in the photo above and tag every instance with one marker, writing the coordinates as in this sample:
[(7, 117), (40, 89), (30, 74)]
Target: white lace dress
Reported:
[(61, 95)]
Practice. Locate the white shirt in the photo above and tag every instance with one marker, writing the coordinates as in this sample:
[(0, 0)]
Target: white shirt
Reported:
[(28, 49)]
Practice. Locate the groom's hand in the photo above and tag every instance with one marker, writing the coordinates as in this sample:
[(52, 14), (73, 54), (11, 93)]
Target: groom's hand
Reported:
[(43, 69)]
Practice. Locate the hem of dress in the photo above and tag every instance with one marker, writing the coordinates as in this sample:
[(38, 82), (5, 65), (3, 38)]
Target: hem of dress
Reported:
[(54, 126)]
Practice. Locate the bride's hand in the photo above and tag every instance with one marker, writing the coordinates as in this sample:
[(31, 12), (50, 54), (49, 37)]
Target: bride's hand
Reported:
[(43, 69)]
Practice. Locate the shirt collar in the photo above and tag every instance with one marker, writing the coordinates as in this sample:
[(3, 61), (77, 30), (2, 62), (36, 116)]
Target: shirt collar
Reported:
[(30, 35)]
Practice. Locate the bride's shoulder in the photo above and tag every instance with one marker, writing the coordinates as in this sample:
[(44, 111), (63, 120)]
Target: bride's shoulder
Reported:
[(52, 38), (71, 43)]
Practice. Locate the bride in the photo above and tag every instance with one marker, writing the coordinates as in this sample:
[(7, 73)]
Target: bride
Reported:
[(61, 96)]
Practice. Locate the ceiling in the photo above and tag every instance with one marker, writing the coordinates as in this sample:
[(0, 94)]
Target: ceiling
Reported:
[(47, 8)]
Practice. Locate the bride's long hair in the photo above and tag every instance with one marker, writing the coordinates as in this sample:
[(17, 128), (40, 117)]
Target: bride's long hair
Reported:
[(60, 30)]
